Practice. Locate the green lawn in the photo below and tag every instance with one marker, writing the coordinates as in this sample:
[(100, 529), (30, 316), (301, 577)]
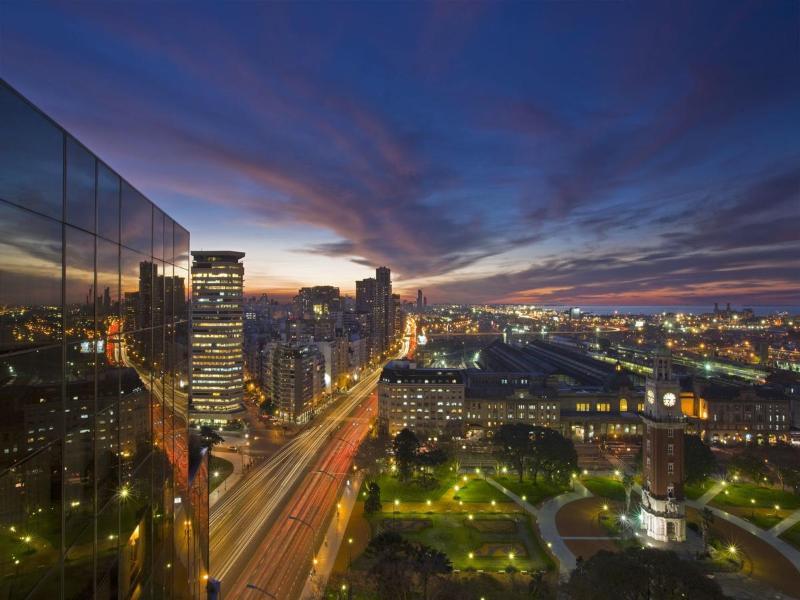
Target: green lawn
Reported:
[(456, 536), (762, 520), (411, 491), (478, 490), (696, 489), (741, 494), (792, 536), (534, 493), (605, 487), (218, 471)]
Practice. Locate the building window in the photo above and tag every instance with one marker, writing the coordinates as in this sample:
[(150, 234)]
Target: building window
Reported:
[(582, 407), (670, 449), (670, 468), (670, 433), (623, 405), (603, 407)]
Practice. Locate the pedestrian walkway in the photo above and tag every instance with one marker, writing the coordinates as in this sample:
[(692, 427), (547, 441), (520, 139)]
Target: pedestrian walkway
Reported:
[(231, 480), (326, 556), (790, 553), (712, 492), (546, 519), (787, 523)]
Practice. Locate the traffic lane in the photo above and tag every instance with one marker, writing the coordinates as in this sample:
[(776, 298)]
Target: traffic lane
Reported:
[(313, 502)]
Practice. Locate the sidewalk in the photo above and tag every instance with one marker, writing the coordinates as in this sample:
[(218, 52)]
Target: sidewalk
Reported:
[(791, 554), (713, 491), (235, 458), (334, 535), (787, 523)]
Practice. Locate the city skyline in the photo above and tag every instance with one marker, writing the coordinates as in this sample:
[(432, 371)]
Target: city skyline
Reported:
[(580, 153)]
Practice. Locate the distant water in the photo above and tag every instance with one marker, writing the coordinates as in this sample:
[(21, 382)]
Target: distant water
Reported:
[(695, 309)]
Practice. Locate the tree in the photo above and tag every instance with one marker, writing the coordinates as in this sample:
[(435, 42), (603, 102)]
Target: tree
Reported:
[(267, 407), (513, 442), (391, 557), (209, 436), (750, 465), (554, 454), (640, 573), (406, 447), (432, 457), (707, 520), (700, 462), (373, 502), (429, 562), (627, 483)]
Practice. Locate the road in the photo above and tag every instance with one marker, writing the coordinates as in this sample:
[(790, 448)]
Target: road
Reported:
[(241, 523), (284, 559)]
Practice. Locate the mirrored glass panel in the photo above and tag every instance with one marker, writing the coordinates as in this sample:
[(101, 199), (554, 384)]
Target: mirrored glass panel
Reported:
[(137, 220), (80, 186), (79, 417), (138, 274), (31, 157), (158, 233), (79, 288), (108, 190), (31, 524), (181, 247), (107, 302), (30, 279)]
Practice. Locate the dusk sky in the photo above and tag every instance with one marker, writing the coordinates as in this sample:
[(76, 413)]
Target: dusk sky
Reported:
[(553, 152)]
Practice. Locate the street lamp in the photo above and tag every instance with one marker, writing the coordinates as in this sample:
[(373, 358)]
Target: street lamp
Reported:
[(251, 586)]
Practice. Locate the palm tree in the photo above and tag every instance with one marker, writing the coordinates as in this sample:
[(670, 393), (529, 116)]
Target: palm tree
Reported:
[(429, 562), (707, 517), (627, 482)]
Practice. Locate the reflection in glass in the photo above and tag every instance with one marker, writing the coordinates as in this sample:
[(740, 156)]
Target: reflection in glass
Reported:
[(158, 233), (108, 187), (31, 157), (31, 519), (79, 412), (79, 287), (30, 279), (79, 208), (137, 215), (181, 247), (108, 320)]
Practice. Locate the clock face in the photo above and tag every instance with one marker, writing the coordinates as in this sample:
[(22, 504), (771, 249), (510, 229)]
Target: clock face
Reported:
[(669, 399), (651, 396)]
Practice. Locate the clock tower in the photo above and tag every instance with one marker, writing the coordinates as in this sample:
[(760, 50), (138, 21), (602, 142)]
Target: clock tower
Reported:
[(663, 510)]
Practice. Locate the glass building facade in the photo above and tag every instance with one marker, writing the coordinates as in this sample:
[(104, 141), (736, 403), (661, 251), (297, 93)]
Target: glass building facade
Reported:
[(100, 494)]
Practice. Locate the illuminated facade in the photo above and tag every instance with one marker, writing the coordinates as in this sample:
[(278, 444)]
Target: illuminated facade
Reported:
[(427, 401), (663, 511), (217, 336), (99, 493)]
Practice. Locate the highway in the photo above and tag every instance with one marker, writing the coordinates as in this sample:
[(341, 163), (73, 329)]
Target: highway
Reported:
[(253, 540)]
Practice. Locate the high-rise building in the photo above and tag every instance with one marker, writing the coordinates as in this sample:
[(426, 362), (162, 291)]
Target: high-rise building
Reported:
[(217, 336), (365, 309), (95, 463), (419, 300), (383, 315), (663, 510), (297, 374)]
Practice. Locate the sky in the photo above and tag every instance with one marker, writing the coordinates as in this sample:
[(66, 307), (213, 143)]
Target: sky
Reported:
[(539, 152)]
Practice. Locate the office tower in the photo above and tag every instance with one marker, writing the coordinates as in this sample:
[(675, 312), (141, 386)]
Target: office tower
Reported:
[(217, 336), (419, 300), (663, 510), (365, 309), (297, 380), (95, 463), (382, 309), (397, 316), (318, 301)]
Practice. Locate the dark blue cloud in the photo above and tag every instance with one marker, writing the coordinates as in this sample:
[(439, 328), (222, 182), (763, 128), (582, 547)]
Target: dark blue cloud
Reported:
[(484, 150)]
